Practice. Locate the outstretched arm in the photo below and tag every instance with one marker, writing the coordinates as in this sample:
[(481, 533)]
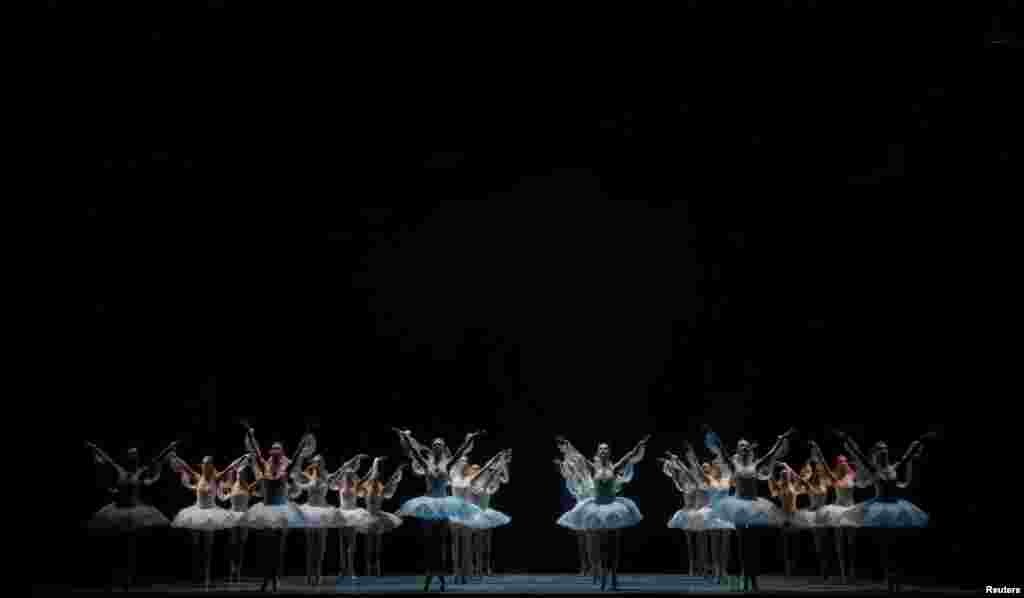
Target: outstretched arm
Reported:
[(392, 485), (818, 457), (234, 466), (866, 470), (465, 448), (776, 450), (350, 466), (913, 453), (103, 458), (251, 445), (182, 469), (414, 450), (633, 456)]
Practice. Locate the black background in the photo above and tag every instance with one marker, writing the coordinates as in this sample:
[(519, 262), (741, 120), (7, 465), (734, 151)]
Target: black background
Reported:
[(753, 227)]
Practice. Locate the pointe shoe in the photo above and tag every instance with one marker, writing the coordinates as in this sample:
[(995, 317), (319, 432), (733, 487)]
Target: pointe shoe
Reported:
[(426, 583)]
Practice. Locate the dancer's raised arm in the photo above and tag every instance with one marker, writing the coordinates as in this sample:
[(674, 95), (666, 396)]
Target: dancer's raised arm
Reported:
[(392, 485), (913, 453), (233, 467), (867, 472), (466, 447), (183, 469), (251, 444), (633, 456), (776, 450), (818, 457), (103, 458)]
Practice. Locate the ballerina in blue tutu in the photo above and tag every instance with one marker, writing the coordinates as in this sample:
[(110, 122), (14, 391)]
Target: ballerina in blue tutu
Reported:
[(277, 513), (604, 514), (886, 514), (745, 509), (435, 507)]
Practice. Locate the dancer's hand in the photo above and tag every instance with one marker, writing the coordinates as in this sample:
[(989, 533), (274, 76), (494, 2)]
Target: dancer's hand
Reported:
[(787, 433), (842, 435)]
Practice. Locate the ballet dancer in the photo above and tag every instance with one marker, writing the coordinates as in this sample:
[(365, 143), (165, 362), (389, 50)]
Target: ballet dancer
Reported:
[(843, 479), (471, 482), (605, 513), (277, 513), (460, 475), (816, 484), (319, 515), (127, 516), (435, 508), (378, 522), (573, 492), (237, 491), (684, 519), (749, 513), (718, 478), (484, 485), (204, 517), (786, 485), (886, 514), (346, 481), (712, 531)]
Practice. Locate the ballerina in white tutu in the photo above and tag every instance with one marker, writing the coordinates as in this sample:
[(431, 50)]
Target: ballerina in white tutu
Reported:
[(605, 513), (787, 486), (577, 490), (376, 521), (277, 513), (816, 478), (319, 515), (843, 480), (718, 480), (886, 514), (685, 519), (484, 484), (204, 517), (236, 491), (128, 516), (749, 513), (435, 508), (346, 481)]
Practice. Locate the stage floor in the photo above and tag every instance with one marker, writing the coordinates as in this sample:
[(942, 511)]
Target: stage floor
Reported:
[(543, 584)]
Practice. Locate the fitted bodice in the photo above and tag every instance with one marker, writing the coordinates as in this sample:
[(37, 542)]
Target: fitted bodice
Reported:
[(604, 490), (127, 492), (817, 501), (700, 498), (437, 486), (462, 490), (483, 500), (347, 496), (746, 485), (275, 492), (317, 493), (844, 496), (689, 498)]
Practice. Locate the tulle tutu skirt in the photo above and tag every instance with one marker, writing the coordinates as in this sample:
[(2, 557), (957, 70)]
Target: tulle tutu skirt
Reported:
[(707, 521), (686, 520), (802, 519), (746, 512), (208, 519), (438, 508), (832, 516), (485, 519), (376, 523), (321, 517), (589, 515), (115, 519), (263, 516), (885, 513)]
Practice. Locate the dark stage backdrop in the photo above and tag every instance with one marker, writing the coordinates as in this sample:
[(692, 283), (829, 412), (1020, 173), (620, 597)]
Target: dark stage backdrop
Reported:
[(754, 248)]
